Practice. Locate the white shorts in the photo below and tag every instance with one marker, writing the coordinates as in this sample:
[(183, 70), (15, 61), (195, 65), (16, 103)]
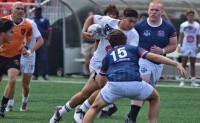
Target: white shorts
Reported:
[(136, 90), (189, 50), (27, 65), (95, 66), (147, 67)]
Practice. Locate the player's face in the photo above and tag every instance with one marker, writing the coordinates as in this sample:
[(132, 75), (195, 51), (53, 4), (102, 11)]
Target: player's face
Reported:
[(128, 22), (190, 17), (155, 12), (18, 11), (7, 36)]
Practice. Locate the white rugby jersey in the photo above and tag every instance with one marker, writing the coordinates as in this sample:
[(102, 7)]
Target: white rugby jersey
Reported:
[(108, 25), (36, 34), (190, 31)]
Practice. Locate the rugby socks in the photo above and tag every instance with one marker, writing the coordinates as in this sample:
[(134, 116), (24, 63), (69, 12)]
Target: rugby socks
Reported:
[(11, 102), (85, 106), (66, 108), (4, 101), (106, 108), (24, 99), (134, 112)]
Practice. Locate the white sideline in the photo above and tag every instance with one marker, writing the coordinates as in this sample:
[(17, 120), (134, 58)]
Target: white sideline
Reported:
[(75, 82)]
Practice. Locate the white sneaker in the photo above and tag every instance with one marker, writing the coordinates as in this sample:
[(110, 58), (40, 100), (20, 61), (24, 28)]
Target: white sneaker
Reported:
[(56, 116), (78, 115), (24, 107), (9, 108), (194, 85), (182, 84)]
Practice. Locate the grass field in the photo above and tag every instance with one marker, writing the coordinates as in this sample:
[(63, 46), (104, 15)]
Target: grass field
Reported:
[(178, 105)]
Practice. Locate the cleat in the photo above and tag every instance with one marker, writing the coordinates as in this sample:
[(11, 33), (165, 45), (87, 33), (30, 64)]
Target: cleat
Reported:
[(2, 110), (56, 117), (181, 84), (128, 120), (24, 107), (78, 115), (112, 110), (194, 85), (104, 114), (9, 108)]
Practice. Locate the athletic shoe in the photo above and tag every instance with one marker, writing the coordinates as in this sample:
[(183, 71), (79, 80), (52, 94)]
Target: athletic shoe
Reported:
[(56, 117), (2, 110), (128, 120), (194, 85), (112, 110), (104, 114), (24, 107), (182, 83), (46, 77), (9, 108), (78, 115), (34, 78)]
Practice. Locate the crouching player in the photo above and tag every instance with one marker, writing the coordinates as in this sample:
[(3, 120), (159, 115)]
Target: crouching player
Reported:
[(121, 68)]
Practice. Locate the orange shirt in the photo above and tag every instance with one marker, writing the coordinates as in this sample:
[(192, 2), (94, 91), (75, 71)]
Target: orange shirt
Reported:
[(21, 31)]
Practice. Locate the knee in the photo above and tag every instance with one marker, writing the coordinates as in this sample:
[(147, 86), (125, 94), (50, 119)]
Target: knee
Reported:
[(12, 81)]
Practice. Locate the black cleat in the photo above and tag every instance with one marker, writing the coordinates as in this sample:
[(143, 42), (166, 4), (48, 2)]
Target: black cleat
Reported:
[(112, 110), (128, 120), (2, 110)]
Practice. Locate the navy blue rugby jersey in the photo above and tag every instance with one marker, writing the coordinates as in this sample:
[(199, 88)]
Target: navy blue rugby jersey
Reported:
[(121, 63), (150, 36)]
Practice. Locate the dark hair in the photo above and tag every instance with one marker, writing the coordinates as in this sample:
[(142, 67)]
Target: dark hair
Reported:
[(111, 8), (129, 12), (190, 11), (144, 14), (5, 25), (116, 37), (38, 8)]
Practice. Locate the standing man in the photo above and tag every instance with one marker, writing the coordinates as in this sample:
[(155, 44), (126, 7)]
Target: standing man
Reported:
[(157, 36), (11, 52), (189, 45), (6, 31), (42, 53), (27, 63)]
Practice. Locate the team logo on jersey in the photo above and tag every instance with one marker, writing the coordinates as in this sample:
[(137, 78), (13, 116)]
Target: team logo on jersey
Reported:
[(16, 61), (23, 31), (161, 33), (143, 69), (146, 33), (107, 48), (107, 29)]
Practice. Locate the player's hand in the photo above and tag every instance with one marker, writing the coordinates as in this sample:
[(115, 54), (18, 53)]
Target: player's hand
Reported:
[(27, 54), (182, 71), (1, 49), (87, 36), (155, 49)]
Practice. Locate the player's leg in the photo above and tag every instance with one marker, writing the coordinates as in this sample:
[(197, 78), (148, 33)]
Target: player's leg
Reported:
[(9, 90), (154, 106), (26, 77), (77, 99), (184, 63), (193, 72), (96, 107)]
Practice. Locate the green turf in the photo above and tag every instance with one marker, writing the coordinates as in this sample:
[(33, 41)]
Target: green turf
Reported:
[(178, 105)]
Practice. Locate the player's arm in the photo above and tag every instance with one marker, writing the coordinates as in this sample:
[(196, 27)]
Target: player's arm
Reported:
[(180, 41), (89, 21), (39, 42), (165, 60), (171, 47)]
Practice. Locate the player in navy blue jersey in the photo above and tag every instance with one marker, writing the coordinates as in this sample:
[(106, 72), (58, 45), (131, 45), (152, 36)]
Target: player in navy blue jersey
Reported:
[(120, 67), (158, 36)]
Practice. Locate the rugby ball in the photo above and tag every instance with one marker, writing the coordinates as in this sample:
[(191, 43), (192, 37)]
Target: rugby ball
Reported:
[(96, 31)]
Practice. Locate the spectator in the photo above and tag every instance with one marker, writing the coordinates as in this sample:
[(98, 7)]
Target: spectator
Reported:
[(41, 65), (189, 45), (143, 16)]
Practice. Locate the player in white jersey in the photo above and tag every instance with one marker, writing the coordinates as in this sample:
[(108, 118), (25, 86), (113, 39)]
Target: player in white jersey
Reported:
[(189, 40), (126, 25), (27, 63)]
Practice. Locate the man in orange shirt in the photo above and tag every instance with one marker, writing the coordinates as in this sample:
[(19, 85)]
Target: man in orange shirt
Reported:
[(11, 52), (6, 31)]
